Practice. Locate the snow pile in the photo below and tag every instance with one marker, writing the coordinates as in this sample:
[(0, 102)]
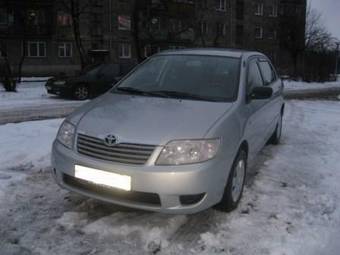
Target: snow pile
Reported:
[(298, 85), (27, 145), (153, 229), (70, 220)]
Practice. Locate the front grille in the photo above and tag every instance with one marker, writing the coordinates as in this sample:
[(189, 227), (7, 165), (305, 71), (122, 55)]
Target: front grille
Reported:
[(127, 153), (112, 193)]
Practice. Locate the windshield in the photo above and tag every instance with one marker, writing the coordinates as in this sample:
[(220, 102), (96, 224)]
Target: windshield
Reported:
[(183, 76)]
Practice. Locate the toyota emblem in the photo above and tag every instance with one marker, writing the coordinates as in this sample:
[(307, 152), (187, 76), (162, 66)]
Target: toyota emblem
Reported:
[(110, 140)]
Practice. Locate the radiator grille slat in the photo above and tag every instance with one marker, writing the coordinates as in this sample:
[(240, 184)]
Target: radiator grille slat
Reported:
[(123, 153)]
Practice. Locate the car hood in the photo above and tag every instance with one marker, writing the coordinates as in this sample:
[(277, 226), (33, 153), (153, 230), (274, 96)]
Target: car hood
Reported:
[(148, 120)]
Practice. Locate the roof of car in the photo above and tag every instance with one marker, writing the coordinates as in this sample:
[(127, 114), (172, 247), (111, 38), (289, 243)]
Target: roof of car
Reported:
[(236, 53)]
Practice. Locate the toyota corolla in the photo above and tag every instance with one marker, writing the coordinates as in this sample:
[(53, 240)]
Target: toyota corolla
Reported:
[(176, 135)]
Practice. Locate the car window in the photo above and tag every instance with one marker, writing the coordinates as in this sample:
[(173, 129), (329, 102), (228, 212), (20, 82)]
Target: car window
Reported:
[(211, 77), (109, 71), (254, 78), (94, 71), (267, 72)]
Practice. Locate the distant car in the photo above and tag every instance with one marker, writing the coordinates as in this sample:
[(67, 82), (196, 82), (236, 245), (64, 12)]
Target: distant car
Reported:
[(87, 85), (176, 135)]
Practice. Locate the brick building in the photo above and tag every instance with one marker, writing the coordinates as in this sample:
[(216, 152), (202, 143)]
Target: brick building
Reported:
[(127, 31)]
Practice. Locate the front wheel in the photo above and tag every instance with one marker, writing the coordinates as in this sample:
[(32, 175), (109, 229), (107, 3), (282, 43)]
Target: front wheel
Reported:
[(81, 92), (235, 184)]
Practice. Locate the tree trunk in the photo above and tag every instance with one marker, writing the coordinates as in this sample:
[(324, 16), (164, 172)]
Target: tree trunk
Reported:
[(76, 32), (136, 32)]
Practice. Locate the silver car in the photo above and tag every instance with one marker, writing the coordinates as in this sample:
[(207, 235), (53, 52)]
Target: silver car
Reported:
[(176, 135)]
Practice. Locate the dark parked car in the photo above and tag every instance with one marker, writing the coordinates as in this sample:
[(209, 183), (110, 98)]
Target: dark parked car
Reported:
[(89, 84)]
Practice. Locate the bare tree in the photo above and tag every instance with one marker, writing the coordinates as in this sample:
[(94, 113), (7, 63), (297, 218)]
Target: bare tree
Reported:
[(77, 9), (152, 30), (317, 36), (12, 65)]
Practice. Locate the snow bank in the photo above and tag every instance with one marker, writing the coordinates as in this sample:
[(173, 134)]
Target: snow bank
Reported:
[(29, 94), (298, 85), (27, 145)]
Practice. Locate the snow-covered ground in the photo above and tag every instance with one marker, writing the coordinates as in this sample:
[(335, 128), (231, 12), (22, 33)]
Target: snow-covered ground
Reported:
[(30, 93), (299, 86), (290, 205)]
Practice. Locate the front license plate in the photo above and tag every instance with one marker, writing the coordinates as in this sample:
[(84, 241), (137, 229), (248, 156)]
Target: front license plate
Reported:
[(103, 177)]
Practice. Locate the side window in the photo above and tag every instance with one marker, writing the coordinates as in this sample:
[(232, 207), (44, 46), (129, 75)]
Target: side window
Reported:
[(267, 72), (254, 78)]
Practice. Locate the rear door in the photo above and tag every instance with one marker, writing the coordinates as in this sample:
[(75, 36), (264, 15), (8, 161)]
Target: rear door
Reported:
[(273, 108)]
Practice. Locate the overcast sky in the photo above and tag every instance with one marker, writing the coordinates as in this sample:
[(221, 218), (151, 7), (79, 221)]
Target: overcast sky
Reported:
[(330, 10)]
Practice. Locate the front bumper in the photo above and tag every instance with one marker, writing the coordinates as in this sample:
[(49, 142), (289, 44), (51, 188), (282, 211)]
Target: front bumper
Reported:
[(178, 189), (57, 90)]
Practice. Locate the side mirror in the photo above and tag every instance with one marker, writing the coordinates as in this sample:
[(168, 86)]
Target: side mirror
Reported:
[(259, 93)]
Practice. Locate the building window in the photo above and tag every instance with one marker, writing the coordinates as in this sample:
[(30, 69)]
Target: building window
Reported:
[(175, 25), (273, 11), (64, 19), (65, 50), (36, 49), (221, 5), (156, 23), (124, 23), (3, 16), (36, 17), (147, 51), (259, 9), (124, 50), (204, 27), (221, 29), (258, 32), (272, 34)]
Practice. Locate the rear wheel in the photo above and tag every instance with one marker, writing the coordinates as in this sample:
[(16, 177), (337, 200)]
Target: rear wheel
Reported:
[(276, 137), (81, 92), (235, 184)]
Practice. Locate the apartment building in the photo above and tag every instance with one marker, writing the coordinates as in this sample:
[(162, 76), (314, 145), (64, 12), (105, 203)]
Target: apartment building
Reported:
[(127, 31)]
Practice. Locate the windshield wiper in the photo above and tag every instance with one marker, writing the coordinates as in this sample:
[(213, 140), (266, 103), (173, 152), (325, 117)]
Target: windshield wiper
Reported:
[(181, 95), (131, 90), (141, 92)]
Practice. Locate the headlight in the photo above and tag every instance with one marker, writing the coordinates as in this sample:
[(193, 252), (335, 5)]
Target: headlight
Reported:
[(188, 152), (59, 83), (66, 134)]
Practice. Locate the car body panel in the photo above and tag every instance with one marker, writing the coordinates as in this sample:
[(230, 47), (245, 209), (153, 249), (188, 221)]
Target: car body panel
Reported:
[(138, 119)]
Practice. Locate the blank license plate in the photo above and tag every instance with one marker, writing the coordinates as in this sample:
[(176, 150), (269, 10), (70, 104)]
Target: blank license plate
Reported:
[(103, 177)]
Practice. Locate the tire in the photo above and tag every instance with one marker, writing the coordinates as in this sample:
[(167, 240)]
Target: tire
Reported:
[(235, 184), (276, 137), (81, 92)]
